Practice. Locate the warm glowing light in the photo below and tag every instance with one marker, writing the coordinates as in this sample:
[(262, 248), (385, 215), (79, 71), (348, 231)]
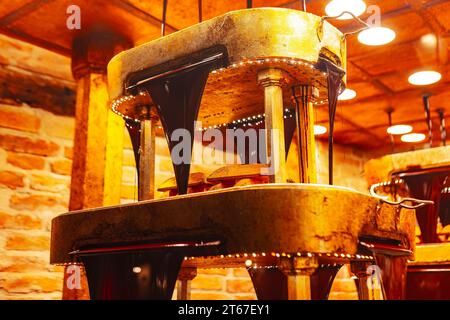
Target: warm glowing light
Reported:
[(376, 36), (336, 7), (318, 130), (248, 263), (137, 269), (413, 137), (429, 40), (399, 129), (423, 78), (347, 94)]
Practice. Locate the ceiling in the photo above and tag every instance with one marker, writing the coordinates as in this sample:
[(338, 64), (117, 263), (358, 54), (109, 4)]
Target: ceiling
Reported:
[(378, 74)]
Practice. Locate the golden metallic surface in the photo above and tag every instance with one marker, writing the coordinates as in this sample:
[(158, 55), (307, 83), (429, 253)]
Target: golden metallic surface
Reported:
[(259, 218), (381, 169), (255, 39), (432, 254)]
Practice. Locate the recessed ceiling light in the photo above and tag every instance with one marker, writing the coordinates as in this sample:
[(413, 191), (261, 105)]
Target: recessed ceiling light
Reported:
[(429, 40), (423, 78), (413, 137), (376, 36), (399, 129), (347, 94), (137, 269), (336, 7), (318, 130)]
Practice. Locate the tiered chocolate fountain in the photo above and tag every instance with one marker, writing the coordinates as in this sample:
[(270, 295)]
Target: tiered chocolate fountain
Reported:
[(293, 238), (424, 174)]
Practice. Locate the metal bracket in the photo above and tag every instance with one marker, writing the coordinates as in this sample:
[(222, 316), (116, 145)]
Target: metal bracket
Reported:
[(415, 203)]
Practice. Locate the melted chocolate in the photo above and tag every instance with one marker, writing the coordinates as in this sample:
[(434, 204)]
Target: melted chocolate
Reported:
[(132, 275), (289, 129), (176, 88), (178, 101), (335, 85), (428, 185), (271, 284), (392, 259)]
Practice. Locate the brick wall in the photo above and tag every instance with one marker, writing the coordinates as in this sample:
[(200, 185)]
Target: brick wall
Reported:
[(35, 165)]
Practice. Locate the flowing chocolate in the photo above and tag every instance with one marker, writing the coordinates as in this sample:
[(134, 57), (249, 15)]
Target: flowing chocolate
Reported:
[(132, 275), (335, 86)]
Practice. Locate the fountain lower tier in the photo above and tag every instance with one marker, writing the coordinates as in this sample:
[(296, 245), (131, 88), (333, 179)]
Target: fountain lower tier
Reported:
[(275, 229)]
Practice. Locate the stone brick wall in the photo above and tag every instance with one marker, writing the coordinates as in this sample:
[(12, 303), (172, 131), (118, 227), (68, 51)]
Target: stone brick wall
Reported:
[(35, 168)]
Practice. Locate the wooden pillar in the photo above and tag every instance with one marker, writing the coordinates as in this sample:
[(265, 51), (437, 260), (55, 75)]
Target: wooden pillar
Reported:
[(298, 271), (98, 143), (305, 133), (273, 80)]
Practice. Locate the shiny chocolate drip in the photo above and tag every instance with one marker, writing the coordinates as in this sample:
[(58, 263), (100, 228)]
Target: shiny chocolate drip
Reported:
[(394, 272), (135, 137), (132, 275), (271, 284), (391, 258), (176, 89), (428, 185), (178, 101), (289, 129), (335, 85), (444, 208)]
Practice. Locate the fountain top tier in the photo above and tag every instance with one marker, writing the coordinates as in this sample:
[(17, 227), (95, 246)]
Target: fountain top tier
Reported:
[(250, 40)]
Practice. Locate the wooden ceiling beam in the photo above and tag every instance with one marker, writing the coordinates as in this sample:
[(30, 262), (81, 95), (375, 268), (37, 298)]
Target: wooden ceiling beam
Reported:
[(429, 19), (22, 11), (38, 91), (368, 77), (141, 14), (35, 41)]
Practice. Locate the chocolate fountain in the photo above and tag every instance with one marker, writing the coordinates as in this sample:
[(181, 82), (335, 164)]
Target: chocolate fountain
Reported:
[(424, 174), (292, 237)]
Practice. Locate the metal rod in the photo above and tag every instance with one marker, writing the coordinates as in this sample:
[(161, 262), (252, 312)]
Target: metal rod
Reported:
[(442, 127), (389, 112), (426, 106), (365, 24), (304, 5), (200, 11), (163, 21)]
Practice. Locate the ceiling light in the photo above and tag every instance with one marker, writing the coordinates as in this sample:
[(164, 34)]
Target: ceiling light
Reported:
[(347, 94), (429, 40), (137, 269), (413, 137), (423, 78), (376, 36), (336, 7), (399, 129), (318, 130)]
